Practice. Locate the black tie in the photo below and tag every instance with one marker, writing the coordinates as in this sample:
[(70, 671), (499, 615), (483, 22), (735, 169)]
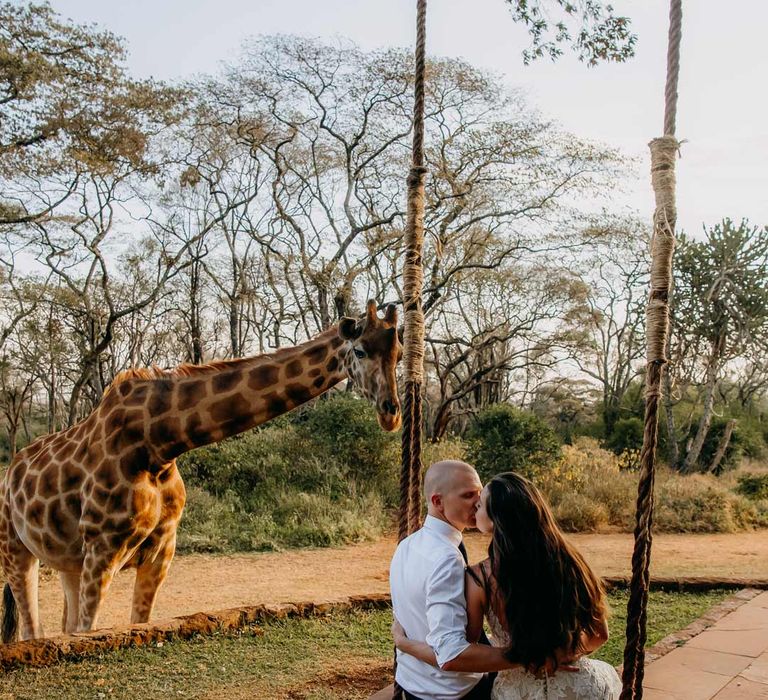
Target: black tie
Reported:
[(463, 551)]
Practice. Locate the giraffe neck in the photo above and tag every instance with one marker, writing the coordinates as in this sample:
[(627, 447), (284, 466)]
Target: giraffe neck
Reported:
[(181, 413)]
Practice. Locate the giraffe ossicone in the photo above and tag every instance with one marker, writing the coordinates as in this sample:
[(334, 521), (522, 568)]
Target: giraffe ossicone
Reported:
[(105, 494)]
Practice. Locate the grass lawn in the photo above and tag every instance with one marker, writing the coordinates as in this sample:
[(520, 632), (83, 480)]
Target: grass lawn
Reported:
[(339, 657)]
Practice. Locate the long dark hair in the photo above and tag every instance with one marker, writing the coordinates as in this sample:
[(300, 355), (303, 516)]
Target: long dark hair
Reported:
[(545, 593)]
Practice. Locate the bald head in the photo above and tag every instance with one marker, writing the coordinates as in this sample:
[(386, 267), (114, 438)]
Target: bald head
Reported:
[(452, 489), (441, 476)]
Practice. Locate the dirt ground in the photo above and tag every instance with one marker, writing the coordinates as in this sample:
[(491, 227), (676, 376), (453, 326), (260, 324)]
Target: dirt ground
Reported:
[(213, 582)]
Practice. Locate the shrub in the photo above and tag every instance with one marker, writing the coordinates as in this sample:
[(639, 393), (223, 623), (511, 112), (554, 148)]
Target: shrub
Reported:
[(503, 438), (589, 490), (450, 447), (577, 512), (627, 435), (753, 485), (289, 519), (346, 428), (594, 474)]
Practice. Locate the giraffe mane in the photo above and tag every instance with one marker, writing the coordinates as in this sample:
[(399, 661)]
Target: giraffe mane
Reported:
[(185, 370), (190, 370)]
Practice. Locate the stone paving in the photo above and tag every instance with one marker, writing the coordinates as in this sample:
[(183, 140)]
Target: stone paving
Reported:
[(727, 661)]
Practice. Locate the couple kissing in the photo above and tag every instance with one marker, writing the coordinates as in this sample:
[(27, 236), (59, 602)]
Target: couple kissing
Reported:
[(545, 607)]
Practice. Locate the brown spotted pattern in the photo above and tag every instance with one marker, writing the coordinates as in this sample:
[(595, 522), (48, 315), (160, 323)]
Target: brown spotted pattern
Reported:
[(106, 494)]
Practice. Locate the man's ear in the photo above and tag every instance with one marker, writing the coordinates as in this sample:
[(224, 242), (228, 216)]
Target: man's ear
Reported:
[(348, 329), (436, 500)]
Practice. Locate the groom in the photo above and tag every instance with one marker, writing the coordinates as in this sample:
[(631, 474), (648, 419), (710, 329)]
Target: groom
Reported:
[(427, 583)]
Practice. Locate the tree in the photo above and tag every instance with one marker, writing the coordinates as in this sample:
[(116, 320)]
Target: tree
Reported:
[(66, 107), (611, 344), (720, 308), (495, 337), (596, 33)]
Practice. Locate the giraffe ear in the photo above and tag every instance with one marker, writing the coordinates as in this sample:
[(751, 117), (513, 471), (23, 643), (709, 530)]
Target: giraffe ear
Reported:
[(371, 313), (348, 329), (390, 316)]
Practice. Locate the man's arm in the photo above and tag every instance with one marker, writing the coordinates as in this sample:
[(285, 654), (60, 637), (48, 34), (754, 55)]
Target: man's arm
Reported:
[(479, 658)]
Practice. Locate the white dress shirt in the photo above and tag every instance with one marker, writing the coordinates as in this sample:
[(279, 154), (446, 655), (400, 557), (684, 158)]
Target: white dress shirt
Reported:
[(427, 583)]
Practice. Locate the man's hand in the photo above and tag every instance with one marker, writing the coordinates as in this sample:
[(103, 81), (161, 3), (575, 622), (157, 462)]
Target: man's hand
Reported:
[(398, 633)]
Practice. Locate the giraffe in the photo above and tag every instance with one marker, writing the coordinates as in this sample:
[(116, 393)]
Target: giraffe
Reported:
[(106, 494)]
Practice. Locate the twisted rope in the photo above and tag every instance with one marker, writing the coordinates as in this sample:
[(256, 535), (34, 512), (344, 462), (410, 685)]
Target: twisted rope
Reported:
[(673, 66), (663, 153), (413, 277)]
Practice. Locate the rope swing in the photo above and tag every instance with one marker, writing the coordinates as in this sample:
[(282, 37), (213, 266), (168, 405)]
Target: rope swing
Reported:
[(413, 313), (413, 275), (663, 154)]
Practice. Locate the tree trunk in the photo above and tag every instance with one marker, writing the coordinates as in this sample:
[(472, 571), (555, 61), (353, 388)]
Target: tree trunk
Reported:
[(673, 449), (234, 326), (694, 451), (723, 446), (195, 321), (52, 398), (441, 421), (12, 430), (610, 414)]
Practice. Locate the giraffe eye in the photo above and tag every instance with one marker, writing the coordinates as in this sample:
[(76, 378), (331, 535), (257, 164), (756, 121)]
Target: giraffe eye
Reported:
[(359, 354)]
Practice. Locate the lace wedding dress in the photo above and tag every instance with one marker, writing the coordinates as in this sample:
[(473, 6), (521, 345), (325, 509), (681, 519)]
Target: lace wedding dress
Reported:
[(595, 680)]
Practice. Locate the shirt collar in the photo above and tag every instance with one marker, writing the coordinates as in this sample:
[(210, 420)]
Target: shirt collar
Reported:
[(443, 529)]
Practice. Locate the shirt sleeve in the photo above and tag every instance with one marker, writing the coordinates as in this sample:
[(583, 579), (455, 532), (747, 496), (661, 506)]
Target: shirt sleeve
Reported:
[(447, 610)]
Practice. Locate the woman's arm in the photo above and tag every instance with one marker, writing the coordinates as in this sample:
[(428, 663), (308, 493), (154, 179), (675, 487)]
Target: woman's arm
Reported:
[(476, 603)]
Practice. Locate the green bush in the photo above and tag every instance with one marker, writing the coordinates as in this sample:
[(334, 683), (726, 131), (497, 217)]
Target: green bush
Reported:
[(753, 485), (289, 519), (345, 428), (627, 435), (503, 438)]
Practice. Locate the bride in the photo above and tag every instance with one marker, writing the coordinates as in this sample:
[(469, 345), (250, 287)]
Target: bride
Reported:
[(541, 600)]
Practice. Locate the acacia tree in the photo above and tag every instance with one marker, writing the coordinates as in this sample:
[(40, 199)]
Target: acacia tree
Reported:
[(66, 107), (330, 121), (720, 309), (495, 337), (610, 345)]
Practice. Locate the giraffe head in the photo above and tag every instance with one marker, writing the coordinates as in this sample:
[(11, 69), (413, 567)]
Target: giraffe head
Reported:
[(373, 353)]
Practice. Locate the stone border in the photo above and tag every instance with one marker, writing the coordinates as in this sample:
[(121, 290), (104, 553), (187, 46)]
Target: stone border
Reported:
[(689, 584), (51, 650), (70, 647)]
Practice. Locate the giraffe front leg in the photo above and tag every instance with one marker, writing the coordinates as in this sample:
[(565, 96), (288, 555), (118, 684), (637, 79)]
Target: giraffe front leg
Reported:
[(149, 577), (70, 582), (99, 567)]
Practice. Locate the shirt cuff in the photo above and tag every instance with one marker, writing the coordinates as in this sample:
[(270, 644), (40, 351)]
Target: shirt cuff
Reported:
[(448, 647)]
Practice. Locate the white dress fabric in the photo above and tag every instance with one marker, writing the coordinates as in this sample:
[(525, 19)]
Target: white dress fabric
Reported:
[(595, 680)]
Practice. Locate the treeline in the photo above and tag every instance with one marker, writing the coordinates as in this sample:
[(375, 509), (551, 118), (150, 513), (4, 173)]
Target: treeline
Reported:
[(146, 224)]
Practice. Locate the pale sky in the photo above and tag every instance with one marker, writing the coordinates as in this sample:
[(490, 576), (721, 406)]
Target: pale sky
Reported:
[(724, 70)]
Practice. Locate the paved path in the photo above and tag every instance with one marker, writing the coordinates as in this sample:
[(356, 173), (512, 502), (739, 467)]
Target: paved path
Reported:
[(728, 661)]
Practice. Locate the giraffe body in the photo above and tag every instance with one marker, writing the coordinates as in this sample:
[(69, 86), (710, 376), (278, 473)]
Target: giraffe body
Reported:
[(106, 494)]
